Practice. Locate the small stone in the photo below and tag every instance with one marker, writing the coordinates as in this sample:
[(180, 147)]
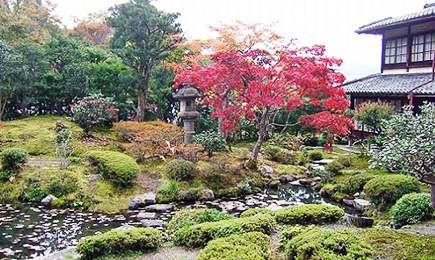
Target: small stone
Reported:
[(317, 179), (356, 195), (267, 170), (47, 200), (286, 178), (348, 202), (305, 182), (160, 207), (151, 223), (207, 194), (146, 215), (124, 227), (273, 185), (361, 204), (358, 221)]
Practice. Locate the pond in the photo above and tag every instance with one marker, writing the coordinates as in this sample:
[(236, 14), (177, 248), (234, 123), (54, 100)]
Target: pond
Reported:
[(30, 230)]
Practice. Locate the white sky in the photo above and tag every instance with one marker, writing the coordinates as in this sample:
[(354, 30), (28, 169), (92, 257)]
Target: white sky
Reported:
[(328, 22)]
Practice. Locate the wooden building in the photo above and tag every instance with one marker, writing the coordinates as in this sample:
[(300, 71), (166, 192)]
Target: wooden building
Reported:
[(407, 70)]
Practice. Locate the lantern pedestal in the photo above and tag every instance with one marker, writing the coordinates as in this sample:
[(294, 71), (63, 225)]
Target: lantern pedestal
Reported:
[(187, 96)]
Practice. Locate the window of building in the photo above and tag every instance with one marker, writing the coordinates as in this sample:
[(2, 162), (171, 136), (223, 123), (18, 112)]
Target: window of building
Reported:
[(395, 51), (422, 47)]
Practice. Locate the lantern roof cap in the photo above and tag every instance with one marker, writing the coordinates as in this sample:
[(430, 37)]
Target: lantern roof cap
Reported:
[(187, 92)]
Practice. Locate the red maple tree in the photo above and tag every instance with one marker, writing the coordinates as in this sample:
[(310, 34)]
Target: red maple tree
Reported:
[(256, 83)]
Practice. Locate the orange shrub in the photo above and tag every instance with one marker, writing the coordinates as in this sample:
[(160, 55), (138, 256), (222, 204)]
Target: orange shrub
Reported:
[(150, 139)]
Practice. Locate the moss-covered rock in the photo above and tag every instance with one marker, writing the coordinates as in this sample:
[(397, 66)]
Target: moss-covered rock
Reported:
[(385, 190), (198, 235), (116, 242), (117, 167), (328, 244), (308, 214), (249, 246)]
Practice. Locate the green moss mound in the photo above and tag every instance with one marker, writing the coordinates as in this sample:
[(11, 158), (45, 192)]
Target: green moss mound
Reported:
[(249, 246), (120, 168), (254, 211), (411, 208), (116, 242), (353, 183), (287, 234), (385, 190), (189, 217), (199, 235), (315, 156), (308, 214), (326, 244), (180, 170), (334, 167)]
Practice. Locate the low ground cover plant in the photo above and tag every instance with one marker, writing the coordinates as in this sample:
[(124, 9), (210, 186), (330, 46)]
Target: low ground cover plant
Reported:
[(115, 242), (249, 246), (189, 217)]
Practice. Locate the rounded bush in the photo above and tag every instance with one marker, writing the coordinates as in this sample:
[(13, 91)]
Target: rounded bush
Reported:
[(181, 170), (352, 184), (328, 244), (249, 246), (116, 242), (189, 217), (13, 159), (346, 161), (308, 214), (270, 151), (117, 167), (287, 157), (315, 156), (411, 208), (385, 190), (334, 167), (199, 235), (254, 211)]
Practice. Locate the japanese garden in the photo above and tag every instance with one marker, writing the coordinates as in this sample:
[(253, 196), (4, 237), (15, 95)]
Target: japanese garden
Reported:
[(123, 139)]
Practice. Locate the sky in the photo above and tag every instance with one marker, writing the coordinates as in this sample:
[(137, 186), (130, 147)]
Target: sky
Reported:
[(328, 22)]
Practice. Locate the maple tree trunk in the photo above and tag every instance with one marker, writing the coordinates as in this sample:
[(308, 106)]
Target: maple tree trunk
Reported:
[(432, 196), (222, 132), (261, 135)]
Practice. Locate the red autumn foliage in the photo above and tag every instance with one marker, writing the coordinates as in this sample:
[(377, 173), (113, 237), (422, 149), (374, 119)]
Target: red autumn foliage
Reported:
[(254, 83), (98, 33)]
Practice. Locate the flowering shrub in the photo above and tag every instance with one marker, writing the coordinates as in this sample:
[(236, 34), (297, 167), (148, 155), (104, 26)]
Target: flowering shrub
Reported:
[(93, 110), (149, 139)]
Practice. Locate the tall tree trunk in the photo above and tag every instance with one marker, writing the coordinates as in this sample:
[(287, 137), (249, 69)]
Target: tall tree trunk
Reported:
[(432, 195), (142, 94), (263, 124), (225, 102)]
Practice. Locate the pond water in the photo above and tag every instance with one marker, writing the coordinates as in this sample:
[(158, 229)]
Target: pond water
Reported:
[(31, 230)]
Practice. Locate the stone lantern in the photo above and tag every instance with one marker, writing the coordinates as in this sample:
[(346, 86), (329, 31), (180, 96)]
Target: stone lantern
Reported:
[(187, 96)]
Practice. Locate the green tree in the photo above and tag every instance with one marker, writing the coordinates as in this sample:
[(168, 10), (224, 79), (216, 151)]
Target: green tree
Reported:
[(408, 145), (143, 37), (373, 113)]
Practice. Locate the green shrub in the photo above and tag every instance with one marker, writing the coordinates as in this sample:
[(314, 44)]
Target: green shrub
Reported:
[(352, 184), (315, 156), (198, 235), (249, 246), (328, 244), (117, 167), (189, 217), (34, 193), (334, 167), (270, 151), (212, 141), (60, 182), (411, 208), (385, 190), (13, 159), (346, 161), (181, 170), (287, 234), (308, 214), (287, 157), (254, 211), (116, 242)]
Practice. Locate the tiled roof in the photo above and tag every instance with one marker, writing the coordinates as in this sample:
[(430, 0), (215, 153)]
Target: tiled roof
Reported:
[(397, 84), (376, 27)]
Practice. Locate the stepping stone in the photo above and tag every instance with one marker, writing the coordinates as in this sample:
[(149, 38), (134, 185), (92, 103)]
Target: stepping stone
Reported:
[(146, 215), (151, 223), (160, 207), (324, 161)]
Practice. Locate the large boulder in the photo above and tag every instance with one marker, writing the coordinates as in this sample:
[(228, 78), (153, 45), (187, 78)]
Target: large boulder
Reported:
[(48, 199), (142, 200), (207, 194)]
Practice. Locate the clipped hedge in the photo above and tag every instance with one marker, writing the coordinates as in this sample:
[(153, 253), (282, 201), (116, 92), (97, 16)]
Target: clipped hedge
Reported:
[(254, 211), (249, 246), (308, 214), (315, 156), (189, 217), (327, 244), (411, 208), (385, 190), (117, 167), (115, 242), (198, 235), (180, 170)]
